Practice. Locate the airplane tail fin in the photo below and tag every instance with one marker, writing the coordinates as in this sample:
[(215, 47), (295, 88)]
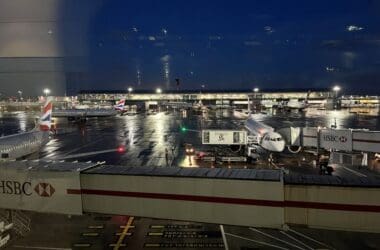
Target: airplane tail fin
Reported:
[(44, 123), (120, 105)]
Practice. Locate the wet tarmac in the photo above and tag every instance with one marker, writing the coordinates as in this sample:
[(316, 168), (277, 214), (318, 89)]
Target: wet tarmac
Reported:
[(156, 140)]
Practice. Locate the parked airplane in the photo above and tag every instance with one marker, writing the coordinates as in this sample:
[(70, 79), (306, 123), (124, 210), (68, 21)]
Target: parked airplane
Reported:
[(81, 106), (120, 105), (265, 135), (198, 106), (19, 145), (268, 104), (296, 104), (179, 105), (82, 113), (243, 113)]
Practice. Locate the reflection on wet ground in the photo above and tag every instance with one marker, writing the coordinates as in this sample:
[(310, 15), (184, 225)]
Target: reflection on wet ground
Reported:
[(147, 138)]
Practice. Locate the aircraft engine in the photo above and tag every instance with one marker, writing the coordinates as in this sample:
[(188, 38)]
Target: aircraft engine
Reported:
[(294, 149)]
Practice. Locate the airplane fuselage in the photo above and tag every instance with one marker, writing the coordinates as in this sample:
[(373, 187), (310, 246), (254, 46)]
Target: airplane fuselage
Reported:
[(295, 104), (84, 113), (267, 138), (20, 145)]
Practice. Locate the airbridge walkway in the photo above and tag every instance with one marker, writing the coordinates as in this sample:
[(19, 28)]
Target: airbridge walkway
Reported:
[(347, 140), (244, 197)]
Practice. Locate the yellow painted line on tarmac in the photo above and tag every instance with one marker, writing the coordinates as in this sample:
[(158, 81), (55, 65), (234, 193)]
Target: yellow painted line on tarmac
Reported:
[(125, 231), (155, 234), (157, 226), (96, 227)]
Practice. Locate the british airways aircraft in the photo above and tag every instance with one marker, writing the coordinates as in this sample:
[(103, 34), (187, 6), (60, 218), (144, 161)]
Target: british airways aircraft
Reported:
[(80, 114), (120, 105), (20, 145), (297, 104), (267, 138)]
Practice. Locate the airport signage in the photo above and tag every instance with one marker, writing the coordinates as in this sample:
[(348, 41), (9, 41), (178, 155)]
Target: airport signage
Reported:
[(224, 137), (42, 191), (25, 188), (15, 187), (339, 139)]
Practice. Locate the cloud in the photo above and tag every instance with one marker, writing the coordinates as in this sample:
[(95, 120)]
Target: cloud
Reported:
[(269, 30), (352, 28)]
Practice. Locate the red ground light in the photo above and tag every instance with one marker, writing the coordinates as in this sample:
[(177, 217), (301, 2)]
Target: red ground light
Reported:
[(121, 149)]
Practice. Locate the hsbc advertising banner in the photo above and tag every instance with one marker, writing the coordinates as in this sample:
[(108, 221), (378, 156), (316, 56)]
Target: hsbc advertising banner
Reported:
[(224, 137), (40, 191), (336, 139)]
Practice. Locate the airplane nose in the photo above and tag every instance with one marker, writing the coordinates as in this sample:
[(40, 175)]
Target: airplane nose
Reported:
[(281, 146)]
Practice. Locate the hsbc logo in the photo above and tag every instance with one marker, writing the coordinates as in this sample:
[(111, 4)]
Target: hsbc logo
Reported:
[(15, 187), (25, 188), (335, 138), (44, 189), (221, 137), (342, 139)]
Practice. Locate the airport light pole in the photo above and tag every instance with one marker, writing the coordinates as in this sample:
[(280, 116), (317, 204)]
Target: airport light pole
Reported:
[(130, 89), (46, 91), (202, 91), (159, 91), (20, 93), (336, 90), (255, 90)]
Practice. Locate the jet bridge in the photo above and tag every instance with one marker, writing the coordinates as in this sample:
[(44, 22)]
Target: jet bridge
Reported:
[(349, 140), (244, 197)]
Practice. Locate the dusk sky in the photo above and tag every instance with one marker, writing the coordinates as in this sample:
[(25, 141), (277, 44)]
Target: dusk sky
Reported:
[(221, 44)]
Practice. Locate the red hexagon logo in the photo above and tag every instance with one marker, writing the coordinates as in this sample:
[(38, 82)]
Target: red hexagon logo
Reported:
[(44, 189), (343, 139)]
